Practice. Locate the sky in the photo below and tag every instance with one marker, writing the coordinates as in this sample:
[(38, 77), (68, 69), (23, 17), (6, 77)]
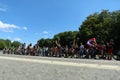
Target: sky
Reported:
[(28, 21)]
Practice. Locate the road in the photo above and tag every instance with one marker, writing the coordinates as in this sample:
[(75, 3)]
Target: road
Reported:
[(17, 67)]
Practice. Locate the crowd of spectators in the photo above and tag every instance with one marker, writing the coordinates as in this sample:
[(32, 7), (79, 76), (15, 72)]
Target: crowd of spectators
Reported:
[(90, 50)]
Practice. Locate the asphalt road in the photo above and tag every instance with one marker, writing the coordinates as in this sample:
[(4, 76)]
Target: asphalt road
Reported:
[(17, 67)]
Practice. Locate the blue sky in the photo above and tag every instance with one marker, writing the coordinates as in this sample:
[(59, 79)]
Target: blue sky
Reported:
[(30, 20)]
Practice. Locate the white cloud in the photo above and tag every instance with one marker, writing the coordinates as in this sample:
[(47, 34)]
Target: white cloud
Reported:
[(3, 9), (7, 27), (17, 39), (45, 32), (10, 27), (25, 28)]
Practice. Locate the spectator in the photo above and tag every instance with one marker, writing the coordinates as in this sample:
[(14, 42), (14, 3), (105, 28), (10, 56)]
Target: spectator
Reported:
[(109, 49), (81, 51)]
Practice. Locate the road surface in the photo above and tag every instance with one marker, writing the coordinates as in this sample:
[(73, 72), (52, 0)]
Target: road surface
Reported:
[(17, 67)]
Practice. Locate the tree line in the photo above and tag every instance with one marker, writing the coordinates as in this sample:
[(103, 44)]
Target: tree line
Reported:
[(8, 44), (104, 25)]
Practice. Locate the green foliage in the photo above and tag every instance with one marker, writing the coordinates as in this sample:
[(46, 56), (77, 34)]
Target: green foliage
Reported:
[(15, 44), (66, 37), (8, 44), (2, 44), (45, 42), (103, 26)]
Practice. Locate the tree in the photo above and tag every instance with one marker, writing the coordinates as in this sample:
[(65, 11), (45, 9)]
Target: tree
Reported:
[(8, 43), (104, 26), (2, 44), (66, 38), (45, 42), (16, 44), (99, 25)]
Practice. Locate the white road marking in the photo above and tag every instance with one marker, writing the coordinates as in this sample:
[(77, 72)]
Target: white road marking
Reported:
[(96, 66)]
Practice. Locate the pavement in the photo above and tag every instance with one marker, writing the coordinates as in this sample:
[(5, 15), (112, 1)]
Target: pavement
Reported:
[(18, 67)]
